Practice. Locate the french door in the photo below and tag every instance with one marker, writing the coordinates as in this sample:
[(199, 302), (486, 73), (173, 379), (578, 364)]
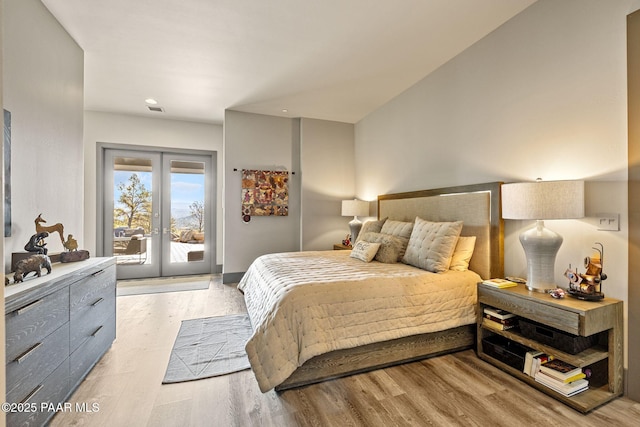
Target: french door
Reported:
[(158, 213)]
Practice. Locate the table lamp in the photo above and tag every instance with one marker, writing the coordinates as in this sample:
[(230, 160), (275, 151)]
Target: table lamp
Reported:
[(355, 208), (538, 201)]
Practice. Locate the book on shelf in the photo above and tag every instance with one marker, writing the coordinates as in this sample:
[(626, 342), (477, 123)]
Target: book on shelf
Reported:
[(576, 377), (499, 283), (560, 369), (528, 361), (566, 389), (498, 313), (512, 321), (497, 325)]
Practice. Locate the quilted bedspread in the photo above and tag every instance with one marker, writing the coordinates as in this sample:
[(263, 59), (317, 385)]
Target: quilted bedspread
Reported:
[(303, 304)]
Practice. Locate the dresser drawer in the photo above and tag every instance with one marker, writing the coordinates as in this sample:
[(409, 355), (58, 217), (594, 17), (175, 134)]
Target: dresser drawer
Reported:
[(91, 350), (54, 389), (31, 323), (540, 311), (26, 372), (92, 302)]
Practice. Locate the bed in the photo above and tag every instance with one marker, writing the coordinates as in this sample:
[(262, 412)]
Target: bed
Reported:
[(323, 314)]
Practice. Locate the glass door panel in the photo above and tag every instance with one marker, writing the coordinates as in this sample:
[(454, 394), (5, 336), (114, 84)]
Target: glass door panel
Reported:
[(131, 218), (187, 214)]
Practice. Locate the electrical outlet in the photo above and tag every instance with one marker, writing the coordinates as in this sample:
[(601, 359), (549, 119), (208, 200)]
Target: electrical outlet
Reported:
[(608, 221)]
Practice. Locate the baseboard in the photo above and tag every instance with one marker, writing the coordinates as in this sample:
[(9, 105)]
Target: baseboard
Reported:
[(231, 277)]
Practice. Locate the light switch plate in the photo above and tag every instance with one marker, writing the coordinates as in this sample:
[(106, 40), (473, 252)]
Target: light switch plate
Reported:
[(608, 221)]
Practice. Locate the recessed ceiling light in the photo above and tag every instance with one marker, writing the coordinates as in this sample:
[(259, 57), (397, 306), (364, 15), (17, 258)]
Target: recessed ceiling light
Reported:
[(151, 101), (284, 110)]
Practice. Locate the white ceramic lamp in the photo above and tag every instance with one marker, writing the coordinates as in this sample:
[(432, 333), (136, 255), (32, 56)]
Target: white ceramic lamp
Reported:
[(355, 208), (538, 201)]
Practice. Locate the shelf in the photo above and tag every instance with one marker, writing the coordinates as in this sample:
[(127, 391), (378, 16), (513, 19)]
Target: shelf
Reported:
[(583, 402), (585, 358)]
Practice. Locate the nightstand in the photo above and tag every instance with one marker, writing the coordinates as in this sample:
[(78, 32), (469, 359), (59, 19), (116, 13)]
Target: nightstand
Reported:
[(341, 247), (601, 319)]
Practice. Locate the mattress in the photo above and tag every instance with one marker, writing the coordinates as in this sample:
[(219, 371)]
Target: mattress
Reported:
[(304, 304)]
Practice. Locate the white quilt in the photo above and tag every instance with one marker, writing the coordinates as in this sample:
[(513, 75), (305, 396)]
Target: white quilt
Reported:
[(303, 304)]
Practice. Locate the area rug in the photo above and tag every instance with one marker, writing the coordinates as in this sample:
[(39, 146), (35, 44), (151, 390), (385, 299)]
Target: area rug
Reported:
[(159, 285), (209, 347)]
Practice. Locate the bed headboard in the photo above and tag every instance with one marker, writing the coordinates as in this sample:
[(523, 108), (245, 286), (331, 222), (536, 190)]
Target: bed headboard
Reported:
[(478, 206)]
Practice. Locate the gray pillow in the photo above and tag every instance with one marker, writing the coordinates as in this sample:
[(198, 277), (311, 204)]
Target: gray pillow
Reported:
[(391, 247), (373, 226), (431, 244), (397, 228)]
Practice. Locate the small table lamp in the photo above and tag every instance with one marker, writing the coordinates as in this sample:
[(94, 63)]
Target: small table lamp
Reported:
[(355, 208), (542, 200)]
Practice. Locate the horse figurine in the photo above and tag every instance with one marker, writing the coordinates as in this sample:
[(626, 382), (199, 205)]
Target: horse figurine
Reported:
[(59, 228)]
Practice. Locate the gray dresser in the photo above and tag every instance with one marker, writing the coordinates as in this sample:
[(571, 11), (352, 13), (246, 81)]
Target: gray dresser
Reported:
[(57, 328)]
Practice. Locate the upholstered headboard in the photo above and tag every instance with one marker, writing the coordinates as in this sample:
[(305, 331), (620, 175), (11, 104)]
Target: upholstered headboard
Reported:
[(478, 206)]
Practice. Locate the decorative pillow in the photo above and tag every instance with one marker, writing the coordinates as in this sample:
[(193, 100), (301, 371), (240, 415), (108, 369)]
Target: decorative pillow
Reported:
[(462, 253), (364, 251), (431, 245), (371, 226), (397, 228), (391, 247)]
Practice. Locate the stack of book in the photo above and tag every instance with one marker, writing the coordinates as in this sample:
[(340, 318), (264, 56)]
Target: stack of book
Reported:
[(500, 320), (499, 283), (562, 377)]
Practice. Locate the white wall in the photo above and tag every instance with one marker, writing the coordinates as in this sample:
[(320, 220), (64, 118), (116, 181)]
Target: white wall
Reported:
[(101, 127), (542, 96), (43, 90), (327, 159), (254, 141)]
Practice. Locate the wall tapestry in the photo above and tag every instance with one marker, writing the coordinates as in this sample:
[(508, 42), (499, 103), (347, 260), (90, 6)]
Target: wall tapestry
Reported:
[(7, 173), (264, 193)]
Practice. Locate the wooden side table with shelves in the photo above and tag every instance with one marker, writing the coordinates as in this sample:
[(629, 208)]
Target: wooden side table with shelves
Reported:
[(570, 315)]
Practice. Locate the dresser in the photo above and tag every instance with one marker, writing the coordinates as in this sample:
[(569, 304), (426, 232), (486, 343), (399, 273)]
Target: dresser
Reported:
[(57, 328)]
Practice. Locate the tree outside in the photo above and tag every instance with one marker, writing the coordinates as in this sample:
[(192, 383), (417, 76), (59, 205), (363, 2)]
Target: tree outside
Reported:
[(197, 212), (133, 209)]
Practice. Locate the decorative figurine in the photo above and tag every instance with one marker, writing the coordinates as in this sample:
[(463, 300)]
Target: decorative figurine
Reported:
[(347, 240), (32, 264), (71, 244), (588, 285), (36, 243), (59, 228)]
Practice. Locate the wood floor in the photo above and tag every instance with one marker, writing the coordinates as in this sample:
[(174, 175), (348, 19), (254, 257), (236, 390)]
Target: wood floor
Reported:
[(452, 390)]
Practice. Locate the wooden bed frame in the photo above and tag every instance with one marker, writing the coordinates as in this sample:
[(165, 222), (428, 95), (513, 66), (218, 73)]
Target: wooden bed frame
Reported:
[(479, 207)]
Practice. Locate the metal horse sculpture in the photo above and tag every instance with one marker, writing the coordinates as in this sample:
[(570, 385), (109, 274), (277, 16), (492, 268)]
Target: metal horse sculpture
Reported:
[(59, 228)]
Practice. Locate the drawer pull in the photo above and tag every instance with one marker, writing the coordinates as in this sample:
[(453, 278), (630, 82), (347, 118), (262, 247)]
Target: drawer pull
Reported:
[(97, 273), (97, 302), (33, 393), (29, 307), (27, 353), (96, 331)]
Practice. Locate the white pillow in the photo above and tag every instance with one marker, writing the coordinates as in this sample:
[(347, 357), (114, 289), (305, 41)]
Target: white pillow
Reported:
[(462, 253), (364, 251), (431, 244)]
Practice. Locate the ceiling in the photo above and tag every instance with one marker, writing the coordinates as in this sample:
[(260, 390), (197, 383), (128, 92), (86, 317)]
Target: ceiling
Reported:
[(326, 59)]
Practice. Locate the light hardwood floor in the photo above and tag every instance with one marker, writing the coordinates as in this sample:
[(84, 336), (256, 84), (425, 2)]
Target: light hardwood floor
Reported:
[(452, 390)]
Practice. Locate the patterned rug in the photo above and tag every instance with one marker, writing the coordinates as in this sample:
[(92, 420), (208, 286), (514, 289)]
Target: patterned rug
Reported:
[(209, 347)]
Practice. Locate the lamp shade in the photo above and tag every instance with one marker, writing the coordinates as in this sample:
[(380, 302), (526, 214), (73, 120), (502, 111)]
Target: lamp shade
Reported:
[(543, 200), (355, 208)]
